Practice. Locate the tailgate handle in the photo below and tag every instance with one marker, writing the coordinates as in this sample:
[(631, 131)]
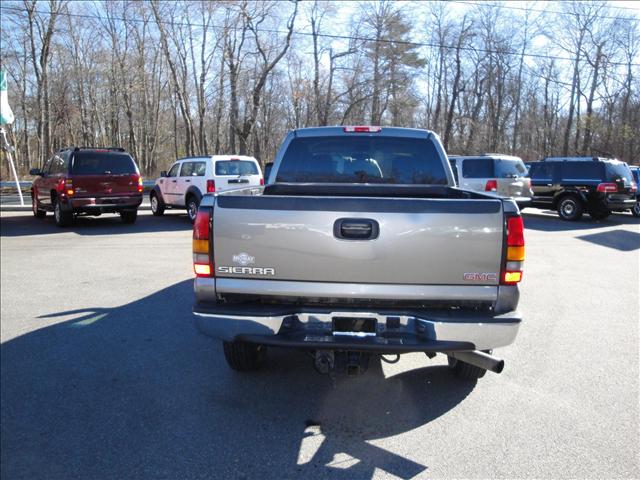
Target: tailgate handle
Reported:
[(356, 229), (242, 180)]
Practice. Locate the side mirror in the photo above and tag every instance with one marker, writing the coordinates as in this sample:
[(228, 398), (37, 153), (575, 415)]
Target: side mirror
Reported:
[(163, 173), (36, 172)]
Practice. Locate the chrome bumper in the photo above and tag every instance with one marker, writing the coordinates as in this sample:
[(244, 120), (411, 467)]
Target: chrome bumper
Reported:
[(97, 203), (402, 331)]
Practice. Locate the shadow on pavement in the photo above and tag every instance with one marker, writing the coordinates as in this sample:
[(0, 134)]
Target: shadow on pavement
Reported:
[(622, 240), (547, 223), (107, 224), (135, 391)]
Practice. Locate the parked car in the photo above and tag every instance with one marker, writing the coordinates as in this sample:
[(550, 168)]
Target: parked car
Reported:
[(87, 181), (635, 210), (190, 178), (502, 174), (574, 185), (359, 245)]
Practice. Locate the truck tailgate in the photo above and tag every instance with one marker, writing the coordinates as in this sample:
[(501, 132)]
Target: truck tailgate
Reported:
[(413, 242)]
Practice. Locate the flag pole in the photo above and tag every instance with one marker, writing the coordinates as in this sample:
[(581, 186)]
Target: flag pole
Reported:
[(8, 149), (6, 118)]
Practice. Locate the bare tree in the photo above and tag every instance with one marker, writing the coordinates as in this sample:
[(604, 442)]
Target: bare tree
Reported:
[(41, 30)]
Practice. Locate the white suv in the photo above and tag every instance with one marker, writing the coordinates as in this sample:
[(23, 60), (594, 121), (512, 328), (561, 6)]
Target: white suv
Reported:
[(190, 178), (493, 172)]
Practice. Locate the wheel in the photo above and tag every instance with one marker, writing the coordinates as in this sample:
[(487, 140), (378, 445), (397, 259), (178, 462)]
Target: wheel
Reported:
[(243, 356), (62, 218), (599, 214), (157, 206), (635, 211), (34, 206), (129, 216), (464, 370), (570, 208), (192, 207)]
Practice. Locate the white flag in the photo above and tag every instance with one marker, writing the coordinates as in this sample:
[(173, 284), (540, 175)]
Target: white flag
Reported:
[(6, 115)]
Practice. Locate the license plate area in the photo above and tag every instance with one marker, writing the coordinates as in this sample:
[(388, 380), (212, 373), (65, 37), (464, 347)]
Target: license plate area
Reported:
[(354, 326)]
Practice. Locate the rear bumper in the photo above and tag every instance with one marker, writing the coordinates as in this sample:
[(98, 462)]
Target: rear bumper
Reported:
[(104, 204), (625, 204), (395, 330)]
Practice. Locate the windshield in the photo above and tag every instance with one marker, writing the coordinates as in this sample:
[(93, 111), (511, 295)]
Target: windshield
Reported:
[(365, 159), (236, 167), (617, 171), (510, 168), (103, 163)]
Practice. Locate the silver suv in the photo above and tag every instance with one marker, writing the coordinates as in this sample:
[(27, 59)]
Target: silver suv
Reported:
[(493, 172)]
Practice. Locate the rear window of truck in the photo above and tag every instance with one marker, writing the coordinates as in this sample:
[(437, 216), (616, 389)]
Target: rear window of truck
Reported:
[(103, 163), (339, 159), (236, 167)]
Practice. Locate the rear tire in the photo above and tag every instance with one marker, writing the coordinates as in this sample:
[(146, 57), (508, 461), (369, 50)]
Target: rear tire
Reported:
[(157, 206), (635, 211), (62, 218), (192, 207), (34, 206), (243, 356), (128, 216), (465, 371), (570, 208)]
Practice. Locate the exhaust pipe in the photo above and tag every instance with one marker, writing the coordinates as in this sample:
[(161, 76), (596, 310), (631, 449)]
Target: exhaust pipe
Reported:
[(479, 359)]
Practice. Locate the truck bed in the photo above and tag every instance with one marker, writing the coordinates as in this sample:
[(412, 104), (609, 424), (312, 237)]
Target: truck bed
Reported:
[(434, 244)]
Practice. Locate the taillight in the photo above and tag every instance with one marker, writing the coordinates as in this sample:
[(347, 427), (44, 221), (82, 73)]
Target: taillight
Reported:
[(68, 186), (140, 185), (634, 187), (262, 181), (607, 187), (362, 129), (515, 232), (211, 186), (491, 186), (65, 187), (514, 258), (202, 256)]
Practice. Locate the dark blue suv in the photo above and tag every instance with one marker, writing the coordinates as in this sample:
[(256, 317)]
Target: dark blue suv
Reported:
[(574, 185), (635, 210)]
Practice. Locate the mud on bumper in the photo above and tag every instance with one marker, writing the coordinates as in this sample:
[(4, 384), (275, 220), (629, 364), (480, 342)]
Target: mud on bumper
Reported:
[(382, 330)]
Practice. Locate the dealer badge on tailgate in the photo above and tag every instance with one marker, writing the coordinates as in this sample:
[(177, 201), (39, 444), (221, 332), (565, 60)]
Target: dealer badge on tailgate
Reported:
[(245, 259)]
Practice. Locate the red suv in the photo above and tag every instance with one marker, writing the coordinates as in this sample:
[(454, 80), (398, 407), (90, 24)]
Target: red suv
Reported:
[(87, 181)]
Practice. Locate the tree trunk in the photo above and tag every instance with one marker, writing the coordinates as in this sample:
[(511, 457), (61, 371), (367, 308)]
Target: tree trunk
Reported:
[(586, 143)]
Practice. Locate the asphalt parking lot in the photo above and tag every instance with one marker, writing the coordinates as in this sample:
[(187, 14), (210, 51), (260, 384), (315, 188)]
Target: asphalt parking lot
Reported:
[(103, 374)]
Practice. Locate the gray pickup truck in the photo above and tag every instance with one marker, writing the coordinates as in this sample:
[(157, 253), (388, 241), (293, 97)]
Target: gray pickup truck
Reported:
[(360, 244)]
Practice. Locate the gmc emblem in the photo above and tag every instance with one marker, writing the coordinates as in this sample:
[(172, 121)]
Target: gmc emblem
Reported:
[(480, 277)]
